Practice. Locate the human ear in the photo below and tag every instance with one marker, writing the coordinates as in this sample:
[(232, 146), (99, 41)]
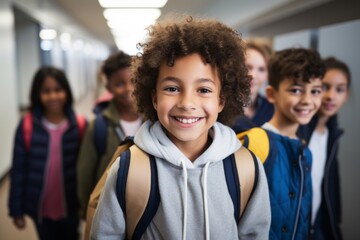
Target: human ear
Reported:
[(270, 94), (221, 105), (154, 99), (107, 86)]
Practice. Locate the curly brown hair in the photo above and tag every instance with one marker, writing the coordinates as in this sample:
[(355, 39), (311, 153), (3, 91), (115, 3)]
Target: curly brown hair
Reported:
[(218, 45), (298, 64)]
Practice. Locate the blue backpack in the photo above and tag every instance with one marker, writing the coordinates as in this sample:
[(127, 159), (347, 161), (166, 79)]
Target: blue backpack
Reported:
[(138, 171), (100, 134)]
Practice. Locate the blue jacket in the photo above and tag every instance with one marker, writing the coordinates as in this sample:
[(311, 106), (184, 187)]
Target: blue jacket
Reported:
[(29, 168), (329, 215), (287, 165), (264, 112)]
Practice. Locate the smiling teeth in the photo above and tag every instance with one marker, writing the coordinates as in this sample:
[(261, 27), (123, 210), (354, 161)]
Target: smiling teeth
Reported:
[(304, 111), (187, 120)]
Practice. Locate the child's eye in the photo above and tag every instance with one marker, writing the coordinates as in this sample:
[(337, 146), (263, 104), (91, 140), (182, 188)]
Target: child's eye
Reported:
[(316, 91), (262, 69), (296, 90), (45, 91), (119, 84), (341, 89), (171, 89), (325, 87), (204, 90)]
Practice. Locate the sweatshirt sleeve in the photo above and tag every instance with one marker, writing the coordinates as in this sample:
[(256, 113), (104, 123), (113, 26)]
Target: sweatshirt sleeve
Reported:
[(256, 219), (86, 168), (108, 222)]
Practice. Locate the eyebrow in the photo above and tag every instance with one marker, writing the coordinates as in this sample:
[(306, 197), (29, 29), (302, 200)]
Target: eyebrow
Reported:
[(177, 80)]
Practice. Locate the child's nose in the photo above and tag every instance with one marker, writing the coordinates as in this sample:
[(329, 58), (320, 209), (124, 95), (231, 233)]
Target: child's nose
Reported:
[(329, 94), (306, 98), (186, 101)]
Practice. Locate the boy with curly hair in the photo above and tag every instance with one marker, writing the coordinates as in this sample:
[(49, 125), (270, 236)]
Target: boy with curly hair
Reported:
[(189, 80), (295, 89)]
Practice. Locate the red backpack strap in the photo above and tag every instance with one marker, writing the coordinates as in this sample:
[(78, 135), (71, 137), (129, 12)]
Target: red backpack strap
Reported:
[(27, 129), (81, 122)]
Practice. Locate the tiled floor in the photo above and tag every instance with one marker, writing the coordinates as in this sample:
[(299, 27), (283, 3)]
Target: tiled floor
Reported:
[(7, 229)]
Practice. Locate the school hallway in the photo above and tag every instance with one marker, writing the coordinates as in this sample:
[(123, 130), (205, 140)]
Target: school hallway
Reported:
[(7, 229)]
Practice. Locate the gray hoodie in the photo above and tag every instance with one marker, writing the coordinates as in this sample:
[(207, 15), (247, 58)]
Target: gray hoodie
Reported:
[(195, 202)]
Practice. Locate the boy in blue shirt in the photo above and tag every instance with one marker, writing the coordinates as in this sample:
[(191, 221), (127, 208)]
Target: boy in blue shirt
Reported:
[(295, 89)]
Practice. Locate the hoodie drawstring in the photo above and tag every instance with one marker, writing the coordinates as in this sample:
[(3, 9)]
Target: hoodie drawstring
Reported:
[(185, 198), (204, 182), (206, 212)]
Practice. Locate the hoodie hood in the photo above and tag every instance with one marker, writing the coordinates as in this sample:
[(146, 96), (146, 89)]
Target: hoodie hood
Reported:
[(152, 139)]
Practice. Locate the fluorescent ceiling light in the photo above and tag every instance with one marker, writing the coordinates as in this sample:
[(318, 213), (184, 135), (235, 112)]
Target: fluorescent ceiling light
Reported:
[(46, 45), (132, 3), (125, 26), (47, 34), (128, 14), (65, 37)]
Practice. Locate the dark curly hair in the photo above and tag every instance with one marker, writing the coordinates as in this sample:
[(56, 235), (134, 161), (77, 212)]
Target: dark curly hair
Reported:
[(219, 45), (114, 62), (298, 64), (334, 63)]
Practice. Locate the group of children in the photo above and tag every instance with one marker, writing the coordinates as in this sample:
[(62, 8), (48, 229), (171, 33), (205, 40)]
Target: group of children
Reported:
[(192, 85)]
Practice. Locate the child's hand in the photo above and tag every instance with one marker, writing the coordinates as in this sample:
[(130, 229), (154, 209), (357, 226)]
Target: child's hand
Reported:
[(19, 222)]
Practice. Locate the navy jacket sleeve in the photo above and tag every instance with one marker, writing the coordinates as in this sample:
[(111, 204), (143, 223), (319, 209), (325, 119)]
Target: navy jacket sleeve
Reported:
[(17, 174)]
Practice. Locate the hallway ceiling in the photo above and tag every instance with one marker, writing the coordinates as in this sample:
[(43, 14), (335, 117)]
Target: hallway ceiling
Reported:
[(239, 14)]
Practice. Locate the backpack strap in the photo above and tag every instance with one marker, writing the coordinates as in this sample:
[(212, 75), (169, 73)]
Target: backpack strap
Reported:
[(137, 190), (248, 171), (100, 134), (27, 129), (95, 194), (81, 123), (241, 173), (257, 140)]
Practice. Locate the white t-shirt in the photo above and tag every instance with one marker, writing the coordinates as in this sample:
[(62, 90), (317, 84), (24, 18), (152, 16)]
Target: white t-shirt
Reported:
[(318, 148), (130, 128)]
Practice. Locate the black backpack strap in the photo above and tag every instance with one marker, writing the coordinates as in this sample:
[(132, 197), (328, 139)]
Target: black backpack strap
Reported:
[(233, 184), (143, 174), (121, 179), (256, 164), (100, 134), (232, 169)]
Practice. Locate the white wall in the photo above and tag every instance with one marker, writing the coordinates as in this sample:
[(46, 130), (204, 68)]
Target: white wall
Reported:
[(18, 63), (293, 39), (27, 47), (342, 41), (8, 100)]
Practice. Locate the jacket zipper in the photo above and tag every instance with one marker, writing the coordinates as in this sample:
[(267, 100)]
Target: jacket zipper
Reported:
[(62, 176), (326, 184), (300, 194), (43, 183)]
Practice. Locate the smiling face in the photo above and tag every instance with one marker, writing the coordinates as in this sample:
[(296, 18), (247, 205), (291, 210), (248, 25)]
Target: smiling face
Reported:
[(52, 96), (295, 103), (120, 85), (187, 99), (335, 92), (256, 64)]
